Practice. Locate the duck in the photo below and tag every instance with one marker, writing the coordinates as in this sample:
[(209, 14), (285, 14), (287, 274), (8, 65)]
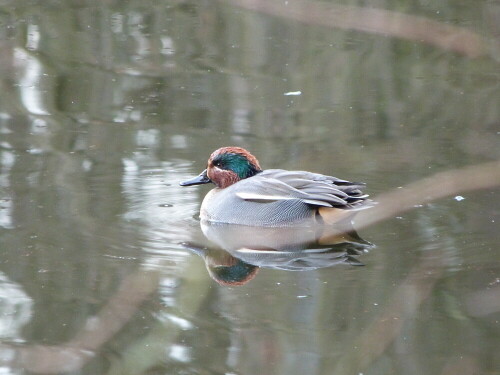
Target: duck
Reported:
[(245, 194)]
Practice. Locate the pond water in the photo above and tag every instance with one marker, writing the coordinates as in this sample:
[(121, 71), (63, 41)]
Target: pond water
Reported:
[(106, 106)]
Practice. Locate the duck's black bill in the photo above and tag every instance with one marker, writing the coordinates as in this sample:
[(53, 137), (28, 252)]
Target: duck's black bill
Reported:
[(202, 178)]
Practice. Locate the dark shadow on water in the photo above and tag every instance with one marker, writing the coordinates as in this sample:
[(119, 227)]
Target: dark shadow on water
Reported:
[(240, 251)]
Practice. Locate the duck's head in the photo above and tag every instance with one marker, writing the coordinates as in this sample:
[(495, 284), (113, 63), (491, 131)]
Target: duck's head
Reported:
[(230, 271), (226, 166), (224, 268)]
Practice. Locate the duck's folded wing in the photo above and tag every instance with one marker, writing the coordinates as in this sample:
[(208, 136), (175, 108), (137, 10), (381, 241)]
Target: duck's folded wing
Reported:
[(311, 188), (263, 189), (304, 180), (313, 183)]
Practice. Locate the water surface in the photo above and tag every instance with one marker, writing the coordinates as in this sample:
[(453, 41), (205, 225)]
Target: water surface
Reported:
[(106, 107)]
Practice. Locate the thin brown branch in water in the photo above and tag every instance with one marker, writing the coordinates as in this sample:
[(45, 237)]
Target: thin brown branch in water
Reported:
[(382, 332), (420, 282), (440, 185), (75, 353), (371, 20)]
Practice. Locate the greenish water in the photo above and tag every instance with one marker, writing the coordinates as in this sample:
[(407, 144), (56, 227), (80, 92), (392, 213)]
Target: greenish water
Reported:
[(106, 106)]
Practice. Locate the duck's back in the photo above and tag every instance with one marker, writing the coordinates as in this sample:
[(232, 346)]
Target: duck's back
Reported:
[(279, 198)]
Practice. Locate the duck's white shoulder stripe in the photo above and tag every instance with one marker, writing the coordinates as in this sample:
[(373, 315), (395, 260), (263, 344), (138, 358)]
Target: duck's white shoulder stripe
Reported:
[(254, 197), (262, 197)]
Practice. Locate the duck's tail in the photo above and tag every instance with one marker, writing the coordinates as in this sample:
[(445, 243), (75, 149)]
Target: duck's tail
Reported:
[(336, 226)]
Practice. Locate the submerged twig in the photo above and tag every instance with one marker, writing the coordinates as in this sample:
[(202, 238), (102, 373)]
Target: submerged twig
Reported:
[(75, 353), (407, 298), (371, 20), (440, 185), (420, 282)]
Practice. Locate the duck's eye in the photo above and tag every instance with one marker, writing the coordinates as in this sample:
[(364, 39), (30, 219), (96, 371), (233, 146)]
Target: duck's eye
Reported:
[(217, 163)]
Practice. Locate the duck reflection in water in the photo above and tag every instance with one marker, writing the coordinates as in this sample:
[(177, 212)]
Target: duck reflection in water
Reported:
[(290, 220), (241, 250)]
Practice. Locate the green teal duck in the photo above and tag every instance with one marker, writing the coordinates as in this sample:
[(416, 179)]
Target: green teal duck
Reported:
[(245, 194)]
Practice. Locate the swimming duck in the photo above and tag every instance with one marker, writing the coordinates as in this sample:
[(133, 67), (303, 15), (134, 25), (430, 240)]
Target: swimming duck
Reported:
[(245, 194)]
